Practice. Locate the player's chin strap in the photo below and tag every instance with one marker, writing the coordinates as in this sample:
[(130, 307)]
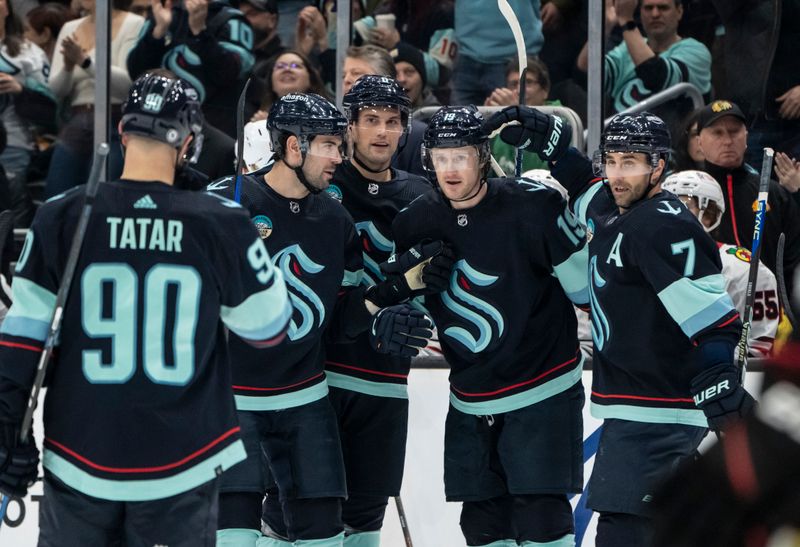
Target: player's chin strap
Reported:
[(366, 167), (298, 171)]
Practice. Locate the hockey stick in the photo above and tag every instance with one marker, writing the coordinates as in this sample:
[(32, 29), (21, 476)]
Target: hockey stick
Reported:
[(783, 294), (61, 299), (63, 289), (522, 57), (401, 512), (237, 197), (755, 255)]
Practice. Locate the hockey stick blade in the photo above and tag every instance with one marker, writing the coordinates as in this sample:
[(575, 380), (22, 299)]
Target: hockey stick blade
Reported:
[(63, 290), (522, 59), (755, 256), (240, 140)]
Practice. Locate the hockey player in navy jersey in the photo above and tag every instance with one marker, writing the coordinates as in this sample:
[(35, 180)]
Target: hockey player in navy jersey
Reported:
[(513, 436), (369, 387), (664, 328), (281, 393), (139, 419)]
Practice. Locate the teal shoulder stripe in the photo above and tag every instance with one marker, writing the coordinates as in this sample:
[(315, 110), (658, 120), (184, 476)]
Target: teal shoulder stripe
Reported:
[(567, 540), (573, 274), (582, 203), (650, 415), (523, 399), (261, 316), (31, 311), (352, 279), (143, 490), (377, 389), (284, 400), (696, 303)]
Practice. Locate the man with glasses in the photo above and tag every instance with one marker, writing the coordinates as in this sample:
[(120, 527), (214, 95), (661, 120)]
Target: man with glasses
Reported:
[(664, 328), (288, 424), (368, 387), (507, 327)]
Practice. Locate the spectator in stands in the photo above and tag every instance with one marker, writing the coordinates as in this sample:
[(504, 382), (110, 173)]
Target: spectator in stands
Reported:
[(289, 72), (687, 154), (640, 67), (72, 81), (411, 74), (485, 43), (24, 100), (723, 140), (537, 88), (43, 23), (263, 18), (371, 59), (788, 171), (207, 43)]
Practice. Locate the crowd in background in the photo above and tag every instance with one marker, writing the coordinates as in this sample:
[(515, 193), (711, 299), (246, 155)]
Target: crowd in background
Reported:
[(445, 52)]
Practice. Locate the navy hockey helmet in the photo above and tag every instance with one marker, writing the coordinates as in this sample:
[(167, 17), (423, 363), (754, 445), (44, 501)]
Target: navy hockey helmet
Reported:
[(166, 108), (454, 127), (374, 90), (304, 115), (642, 132)]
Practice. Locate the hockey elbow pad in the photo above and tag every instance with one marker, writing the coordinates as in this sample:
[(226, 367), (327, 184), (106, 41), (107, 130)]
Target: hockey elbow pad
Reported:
[(718, 393), (400, 330)]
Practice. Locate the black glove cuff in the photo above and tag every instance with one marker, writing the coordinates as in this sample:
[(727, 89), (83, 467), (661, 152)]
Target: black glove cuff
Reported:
[(393, 290)]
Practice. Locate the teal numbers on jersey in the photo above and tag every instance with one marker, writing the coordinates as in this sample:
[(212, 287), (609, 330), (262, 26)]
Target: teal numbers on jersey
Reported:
[(260, 261), (571, 226), (687, 247), (241, 33), (119, 322)]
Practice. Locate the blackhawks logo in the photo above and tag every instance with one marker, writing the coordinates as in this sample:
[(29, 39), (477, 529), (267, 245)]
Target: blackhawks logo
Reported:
[(755, 206), (740, 252)]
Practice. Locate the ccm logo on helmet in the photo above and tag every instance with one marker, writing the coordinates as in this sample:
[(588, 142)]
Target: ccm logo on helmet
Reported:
[(712, 391)]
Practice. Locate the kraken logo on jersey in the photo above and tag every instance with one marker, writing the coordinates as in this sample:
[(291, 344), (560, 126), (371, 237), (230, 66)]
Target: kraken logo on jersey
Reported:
[(460, 299), (601, 330), (294, 264), (373, 241)]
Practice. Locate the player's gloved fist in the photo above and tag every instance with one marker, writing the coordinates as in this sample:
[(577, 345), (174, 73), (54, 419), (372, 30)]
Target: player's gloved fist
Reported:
[(400, 330), (718, 393), (547, 135), (19, 463), (408, 274)]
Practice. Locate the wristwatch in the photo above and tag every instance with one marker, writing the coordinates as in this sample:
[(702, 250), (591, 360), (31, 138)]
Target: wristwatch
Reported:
[(86, 63), (630, 25)]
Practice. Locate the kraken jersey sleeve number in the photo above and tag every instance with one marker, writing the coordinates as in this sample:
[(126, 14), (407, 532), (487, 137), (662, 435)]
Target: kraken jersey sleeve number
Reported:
[(110, 299), (687, 247)]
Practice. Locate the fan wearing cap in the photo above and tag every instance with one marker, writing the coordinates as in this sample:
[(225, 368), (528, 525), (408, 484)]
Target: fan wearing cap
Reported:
[(507, 329), (723, 141), (413, 75), (664, 329), (703, 197)]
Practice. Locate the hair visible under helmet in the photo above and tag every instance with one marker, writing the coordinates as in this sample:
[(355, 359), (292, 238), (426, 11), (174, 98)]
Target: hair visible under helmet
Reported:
[(165, 108), (304, 116), (454, 127), (376, 91), (700, 185)]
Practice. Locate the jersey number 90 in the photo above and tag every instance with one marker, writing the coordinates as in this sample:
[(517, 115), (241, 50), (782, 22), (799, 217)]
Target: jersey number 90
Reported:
[(110, 300)]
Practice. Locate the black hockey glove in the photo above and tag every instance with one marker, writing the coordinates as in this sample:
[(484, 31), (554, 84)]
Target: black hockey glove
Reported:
[(547, 135), (19, 463), (400, 330), (423, 269), (718, 393)]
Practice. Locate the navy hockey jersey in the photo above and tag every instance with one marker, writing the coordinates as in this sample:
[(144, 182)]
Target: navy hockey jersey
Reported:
[(139, 405), (314, 244), (373, 206), (506, 324), (655, 287)]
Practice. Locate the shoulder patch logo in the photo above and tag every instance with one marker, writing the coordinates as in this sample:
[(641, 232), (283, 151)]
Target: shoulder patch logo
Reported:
[(668, 209), (220, 184), (145, 202), (589, 230), (335, 192), (264, 225), (462, 220), (739, 252)]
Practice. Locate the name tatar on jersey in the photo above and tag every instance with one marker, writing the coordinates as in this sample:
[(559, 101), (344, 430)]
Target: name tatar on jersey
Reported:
[(148, 234)]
